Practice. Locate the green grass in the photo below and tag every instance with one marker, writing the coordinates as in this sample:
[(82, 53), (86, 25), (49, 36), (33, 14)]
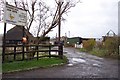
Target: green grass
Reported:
[(82, 50), (99, 52), (103, 53), (26, 65)]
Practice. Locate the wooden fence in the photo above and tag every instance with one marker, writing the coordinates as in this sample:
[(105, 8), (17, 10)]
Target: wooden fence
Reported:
[(27, 52)]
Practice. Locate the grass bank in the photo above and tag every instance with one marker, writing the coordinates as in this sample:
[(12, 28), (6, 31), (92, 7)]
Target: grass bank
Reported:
[(101, 53), (32, 64)]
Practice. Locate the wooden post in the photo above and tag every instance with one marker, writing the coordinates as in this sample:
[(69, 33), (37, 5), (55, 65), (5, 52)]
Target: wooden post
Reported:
[(59, 23), (49, 51), (61, 50), (4, 43), (37, 52), (14, 52), (23, 46), (59, 26)]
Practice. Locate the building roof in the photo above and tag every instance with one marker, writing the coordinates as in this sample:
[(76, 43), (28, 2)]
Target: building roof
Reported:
[(110, 33), (16, 33), (74, 40)]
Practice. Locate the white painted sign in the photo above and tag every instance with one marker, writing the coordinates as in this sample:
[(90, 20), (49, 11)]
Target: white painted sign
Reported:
[(14, 15), (1, 11)]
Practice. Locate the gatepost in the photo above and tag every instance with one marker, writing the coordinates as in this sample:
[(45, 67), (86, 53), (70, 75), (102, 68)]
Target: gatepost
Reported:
[(60, 45)]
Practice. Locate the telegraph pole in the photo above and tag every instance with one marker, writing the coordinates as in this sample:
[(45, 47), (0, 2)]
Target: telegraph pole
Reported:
[(60, 46), (59, 23)]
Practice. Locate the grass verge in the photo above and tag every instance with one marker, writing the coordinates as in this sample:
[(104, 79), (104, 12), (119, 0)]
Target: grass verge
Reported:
[(101, 53), (82, 50), (32, 64)]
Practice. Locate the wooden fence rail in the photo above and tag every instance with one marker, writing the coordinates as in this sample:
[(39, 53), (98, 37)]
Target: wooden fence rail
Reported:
[(25, 52)]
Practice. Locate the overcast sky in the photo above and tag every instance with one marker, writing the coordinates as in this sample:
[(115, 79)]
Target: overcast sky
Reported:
[(91, 18)]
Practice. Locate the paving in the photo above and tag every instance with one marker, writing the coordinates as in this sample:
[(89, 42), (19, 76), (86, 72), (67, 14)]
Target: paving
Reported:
[(80, 65)]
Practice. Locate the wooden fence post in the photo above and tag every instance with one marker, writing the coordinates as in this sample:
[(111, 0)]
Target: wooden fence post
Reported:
[(23, 46), (14, 52), (37, 52), (49, 51), (23, 51), (60, 50)]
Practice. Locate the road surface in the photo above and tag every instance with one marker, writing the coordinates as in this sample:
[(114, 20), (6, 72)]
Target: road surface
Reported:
[(80, 65)]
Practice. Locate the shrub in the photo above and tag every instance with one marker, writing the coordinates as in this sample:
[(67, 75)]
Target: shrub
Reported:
[(89, 44), (99, 52), (111, 45), (82, 50), (69, 45), (99, 45)]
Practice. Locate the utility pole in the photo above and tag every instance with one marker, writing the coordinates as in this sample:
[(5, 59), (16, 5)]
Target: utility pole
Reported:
[(60, 46), (59, 23)]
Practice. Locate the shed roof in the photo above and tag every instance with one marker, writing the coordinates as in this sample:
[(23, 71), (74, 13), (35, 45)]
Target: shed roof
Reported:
[(16, 33)]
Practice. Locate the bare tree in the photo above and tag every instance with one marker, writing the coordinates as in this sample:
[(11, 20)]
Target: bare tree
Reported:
[(47, 20), (44, 14), (65, 7)]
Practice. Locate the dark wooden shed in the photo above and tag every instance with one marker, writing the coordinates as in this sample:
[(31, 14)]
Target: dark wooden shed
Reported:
[(15, 35)]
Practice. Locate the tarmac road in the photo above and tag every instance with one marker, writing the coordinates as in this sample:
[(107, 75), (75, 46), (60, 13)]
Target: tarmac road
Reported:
[(81, 65)]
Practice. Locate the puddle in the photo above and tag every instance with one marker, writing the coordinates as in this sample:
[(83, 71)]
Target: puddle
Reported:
[(65, 52), (96, 65), (54, 53), (73, 61), (78, 60), (70, 64)]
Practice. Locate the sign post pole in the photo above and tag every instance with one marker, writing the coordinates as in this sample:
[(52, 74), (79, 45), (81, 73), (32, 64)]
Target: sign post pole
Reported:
[(4, 43)]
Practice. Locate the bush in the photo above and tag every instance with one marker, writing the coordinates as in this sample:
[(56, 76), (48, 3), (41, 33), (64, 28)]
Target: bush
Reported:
[(99, 45), (69, 45), (82, 50), (99, 52), (89, 44), (111, 45)]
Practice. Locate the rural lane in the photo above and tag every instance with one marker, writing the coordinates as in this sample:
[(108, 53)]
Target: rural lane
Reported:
[(80, 65)]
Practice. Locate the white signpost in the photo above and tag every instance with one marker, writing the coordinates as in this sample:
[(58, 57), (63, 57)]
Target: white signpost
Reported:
[(14, 15), (1, 11)]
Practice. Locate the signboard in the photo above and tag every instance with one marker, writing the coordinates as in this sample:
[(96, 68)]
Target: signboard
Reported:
[(14, 15), (1, 11)]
